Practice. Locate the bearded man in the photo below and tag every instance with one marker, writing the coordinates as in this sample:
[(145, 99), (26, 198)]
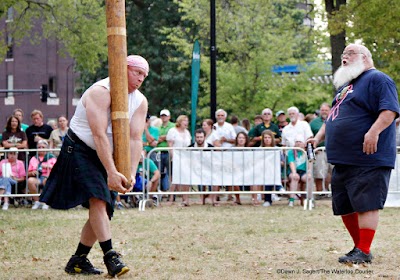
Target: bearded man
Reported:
[(360, 139)]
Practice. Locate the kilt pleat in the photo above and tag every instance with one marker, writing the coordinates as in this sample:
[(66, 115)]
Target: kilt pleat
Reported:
[(77, 176)]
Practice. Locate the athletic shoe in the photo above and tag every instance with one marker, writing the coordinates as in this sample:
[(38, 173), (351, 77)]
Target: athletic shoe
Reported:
[(266, 204), (274, 197), (114, 265), (5, 206), (356, 256), (36, 205), (291, 203), (25, 202), (349, 253), (120, 206), (155, 200), (125, 204), (81, 265), (45, 207)]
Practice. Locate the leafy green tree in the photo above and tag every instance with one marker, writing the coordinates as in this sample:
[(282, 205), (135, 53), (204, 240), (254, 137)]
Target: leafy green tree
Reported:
[(79, 25), (168, 84), (337, 31), (376, 23), (252, 37)]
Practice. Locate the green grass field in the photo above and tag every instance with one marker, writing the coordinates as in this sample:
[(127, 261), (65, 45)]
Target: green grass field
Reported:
[(200, 242)]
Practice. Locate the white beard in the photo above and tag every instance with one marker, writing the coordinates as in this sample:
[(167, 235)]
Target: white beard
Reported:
[(347, 73)]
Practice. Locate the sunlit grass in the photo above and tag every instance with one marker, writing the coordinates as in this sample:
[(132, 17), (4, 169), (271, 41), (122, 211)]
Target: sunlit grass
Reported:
[(199, 242)]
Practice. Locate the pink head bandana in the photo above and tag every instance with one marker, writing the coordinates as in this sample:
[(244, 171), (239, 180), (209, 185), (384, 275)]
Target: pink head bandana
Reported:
[(138, 61)]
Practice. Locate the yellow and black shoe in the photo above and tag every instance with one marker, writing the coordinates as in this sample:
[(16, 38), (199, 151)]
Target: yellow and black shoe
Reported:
[(114, 264), (81, 265)]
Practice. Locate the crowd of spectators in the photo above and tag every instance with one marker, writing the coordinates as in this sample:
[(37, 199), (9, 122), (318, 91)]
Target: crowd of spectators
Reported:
[(289, 129), (24, 167), (30, 171)]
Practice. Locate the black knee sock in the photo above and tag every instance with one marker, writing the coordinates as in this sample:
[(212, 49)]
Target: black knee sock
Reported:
[(106, 246), (82, 249)]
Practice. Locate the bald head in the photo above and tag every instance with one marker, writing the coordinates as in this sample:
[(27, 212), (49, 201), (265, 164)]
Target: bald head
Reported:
[(368, 61)]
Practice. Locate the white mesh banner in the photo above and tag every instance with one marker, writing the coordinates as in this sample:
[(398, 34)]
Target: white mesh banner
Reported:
[(226, 168)]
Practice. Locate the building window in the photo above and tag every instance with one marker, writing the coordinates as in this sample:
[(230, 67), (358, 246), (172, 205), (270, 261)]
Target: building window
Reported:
[(52, 84), (10, 40), (10, 85), (10, 15), (10, 54)]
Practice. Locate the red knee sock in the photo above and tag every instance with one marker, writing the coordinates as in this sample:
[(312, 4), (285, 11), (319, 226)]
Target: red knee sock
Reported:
[(366, 237), (351, 223)]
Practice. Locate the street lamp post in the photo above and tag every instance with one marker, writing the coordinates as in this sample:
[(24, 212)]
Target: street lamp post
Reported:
[(213, 63)]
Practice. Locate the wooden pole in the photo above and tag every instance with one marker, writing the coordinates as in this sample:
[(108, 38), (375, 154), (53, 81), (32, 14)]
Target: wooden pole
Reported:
[(117, 68)]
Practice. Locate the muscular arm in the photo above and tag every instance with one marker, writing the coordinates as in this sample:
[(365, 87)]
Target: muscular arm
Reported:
[(97, 102), (371, 138), (137, 124)]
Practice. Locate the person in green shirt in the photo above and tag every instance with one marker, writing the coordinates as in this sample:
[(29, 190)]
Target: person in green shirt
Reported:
[(152, 175), (255, 136), (164, 160), (18, 113), (298, 174), (150, 135), (322, 169)]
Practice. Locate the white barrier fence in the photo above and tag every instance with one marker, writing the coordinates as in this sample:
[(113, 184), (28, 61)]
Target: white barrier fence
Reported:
[(224, 168), (243, 167), (21, 189)]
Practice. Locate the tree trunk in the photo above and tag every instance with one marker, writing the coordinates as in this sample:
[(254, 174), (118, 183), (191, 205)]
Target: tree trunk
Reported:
[(338, 42)]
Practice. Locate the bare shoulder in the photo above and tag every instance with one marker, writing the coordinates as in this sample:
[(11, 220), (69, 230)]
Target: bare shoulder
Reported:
[(142, 109), (138, 119), (98, 97)]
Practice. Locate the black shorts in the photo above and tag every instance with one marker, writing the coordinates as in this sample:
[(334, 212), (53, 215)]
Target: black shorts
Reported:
[(359, 188)]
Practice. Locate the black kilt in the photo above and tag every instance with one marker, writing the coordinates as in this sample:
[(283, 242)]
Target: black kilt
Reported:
[(77, 176)]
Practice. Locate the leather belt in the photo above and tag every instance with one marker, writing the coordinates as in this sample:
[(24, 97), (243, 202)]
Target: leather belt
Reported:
[(73, 136)]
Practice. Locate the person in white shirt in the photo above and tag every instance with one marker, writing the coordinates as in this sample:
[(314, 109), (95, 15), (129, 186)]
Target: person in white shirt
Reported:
[(200, 142), (179, 136), (211, 135), (225, 131), (295, 128)]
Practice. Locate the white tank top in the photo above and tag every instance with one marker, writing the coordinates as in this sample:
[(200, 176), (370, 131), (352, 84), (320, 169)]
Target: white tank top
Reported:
[(80, 125)]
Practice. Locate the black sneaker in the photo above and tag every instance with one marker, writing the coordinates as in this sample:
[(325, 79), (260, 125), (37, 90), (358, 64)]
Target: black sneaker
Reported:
[(356, 256), (114, 265), (155, 201), (81, 265)]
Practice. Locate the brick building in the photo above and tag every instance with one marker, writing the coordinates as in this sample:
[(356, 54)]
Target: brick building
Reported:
[(28, 67)]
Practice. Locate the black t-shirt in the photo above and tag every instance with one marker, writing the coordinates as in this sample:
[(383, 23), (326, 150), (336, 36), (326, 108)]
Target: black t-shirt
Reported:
[(43, 131)]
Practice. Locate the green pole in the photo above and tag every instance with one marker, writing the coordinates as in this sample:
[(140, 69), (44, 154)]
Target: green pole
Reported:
[(195, 83)]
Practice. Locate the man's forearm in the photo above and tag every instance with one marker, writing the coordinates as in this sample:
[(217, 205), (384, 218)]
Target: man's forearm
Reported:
[(385, 118), (136, 153), (104, 152)]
